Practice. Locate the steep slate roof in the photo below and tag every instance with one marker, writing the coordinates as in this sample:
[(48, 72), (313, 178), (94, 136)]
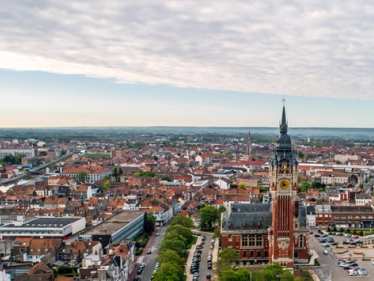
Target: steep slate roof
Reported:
[(248, 216), (351, 209)]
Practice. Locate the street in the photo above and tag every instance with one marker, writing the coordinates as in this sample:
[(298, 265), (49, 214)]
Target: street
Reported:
[(150, 260), (204, 256), (206, 251)]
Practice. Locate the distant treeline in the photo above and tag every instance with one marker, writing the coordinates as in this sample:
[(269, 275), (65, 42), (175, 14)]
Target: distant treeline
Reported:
[(207, 134)]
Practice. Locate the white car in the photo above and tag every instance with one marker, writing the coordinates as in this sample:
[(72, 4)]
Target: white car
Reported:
[(362, 272)]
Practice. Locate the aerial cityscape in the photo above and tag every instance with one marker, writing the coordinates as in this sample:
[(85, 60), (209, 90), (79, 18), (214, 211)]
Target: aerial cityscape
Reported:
[(186, 140)]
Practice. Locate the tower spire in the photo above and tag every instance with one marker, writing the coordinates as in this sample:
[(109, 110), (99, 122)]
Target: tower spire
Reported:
[(283, 126), (249, 145)]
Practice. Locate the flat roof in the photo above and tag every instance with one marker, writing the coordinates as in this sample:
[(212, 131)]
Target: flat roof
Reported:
[(46, 222), (115, 223)]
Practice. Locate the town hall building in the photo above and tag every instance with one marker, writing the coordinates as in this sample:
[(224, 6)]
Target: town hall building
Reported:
[(272, 232)]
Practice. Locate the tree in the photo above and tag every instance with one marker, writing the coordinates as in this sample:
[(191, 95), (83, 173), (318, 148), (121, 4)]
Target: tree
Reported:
[(106, 184), (301, 155), (170, 256), (208, 217), (227, 258), (242, 186), (149, 223), (181, 220), (169, 272), (145, 174), (82, 177), (117, 173), (286, 276), (272, 272), (181, 230), (319, 185), (238, 275), (13, 159), (304, 186), (221, 209), (176, 245)]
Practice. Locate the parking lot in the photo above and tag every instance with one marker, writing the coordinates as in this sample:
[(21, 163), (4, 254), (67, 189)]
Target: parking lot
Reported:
[(330, 255)]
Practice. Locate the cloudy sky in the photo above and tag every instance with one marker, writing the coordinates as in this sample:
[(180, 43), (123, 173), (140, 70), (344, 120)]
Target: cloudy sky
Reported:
[(219, 63)]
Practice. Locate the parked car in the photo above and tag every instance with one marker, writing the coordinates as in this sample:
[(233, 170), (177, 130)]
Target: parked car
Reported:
[(351, 266), (362, 271), (345, 263)]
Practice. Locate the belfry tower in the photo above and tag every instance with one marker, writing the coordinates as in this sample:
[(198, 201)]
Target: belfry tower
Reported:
[(283, 188), (249, 146)]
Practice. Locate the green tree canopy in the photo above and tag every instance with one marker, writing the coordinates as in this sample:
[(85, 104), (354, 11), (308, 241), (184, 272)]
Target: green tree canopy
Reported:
[(304, 186), (227, 258), (82, 177), (169, 272), (106, 184), (182, 220), (208, 217), (149, 223), (185, 232), (13, 159), (117, 172), (235, 275), (176, 245), (145, 174), (170, 256), (270, 273)]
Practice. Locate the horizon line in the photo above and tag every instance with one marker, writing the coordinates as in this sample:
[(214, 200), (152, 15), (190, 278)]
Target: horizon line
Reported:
[(180, 126)]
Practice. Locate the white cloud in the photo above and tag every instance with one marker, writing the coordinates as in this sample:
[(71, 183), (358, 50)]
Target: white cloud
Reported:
[(311, 48)]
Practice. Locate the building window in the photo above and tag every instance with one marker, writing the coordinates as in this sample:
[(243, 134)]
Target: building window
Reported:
[(252, 240), (301, 242)]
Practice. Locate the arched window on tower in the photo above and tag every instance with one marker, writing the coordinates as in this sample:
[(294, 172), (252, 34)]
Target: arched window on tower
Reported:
[(301, 241)]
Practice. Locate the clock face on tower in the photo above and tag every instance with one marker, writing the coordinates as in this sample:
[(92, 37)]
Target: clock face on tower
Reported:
[(284, 184)]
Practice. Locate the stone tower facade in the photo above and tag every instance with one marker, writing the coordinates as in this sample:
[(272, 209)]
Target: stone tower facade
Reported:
[(283, 188)]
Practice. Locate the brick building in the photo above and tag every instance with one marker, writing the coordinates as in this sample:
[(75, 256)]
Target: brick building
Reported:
[(275, 232)]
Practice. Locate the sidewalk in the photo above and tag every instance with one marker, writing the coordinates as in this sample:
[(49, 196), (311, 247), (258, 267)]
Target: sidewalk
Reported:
[(215, 259)]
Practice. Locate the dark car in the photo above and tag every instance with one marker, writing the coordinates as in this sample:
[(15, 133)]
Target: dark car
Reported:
[(351, 266)]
